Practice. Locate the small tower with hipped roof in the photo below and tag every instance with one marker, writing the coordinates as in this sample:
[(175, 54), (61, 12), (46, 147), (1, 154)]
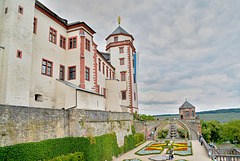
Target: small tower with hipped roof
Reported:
[(187, 111)]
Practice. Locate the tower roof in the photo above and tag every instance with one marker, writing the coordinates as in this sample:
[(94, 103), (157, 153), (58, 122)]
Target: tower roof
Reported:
[(118, 31), (186, 104)]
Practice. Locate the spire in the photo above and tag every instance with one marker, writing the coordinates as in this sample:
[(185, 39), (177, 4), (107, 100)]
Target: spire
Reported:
[(119, 20)]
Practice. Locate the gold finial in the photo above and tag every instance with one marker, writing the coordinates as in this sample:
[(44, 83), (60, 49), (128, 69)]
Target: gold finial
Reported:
[(119, 20)]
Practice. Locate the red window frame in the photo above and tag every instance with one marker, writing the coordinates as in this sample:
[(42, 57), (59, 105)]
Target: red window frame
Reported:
[(87, 75), (71, 71), (99, 65), (6, 10), (122, 61), (124, 92), (62, 42), (46, 67), (19, 54), (87, 45), (123, 74), (107, 71), (72, 46), (98, 89), (62, 72), (35, 25), (20, 9), (115, 39), (53, 35), (110, 74), (103, 68), (121, 50)]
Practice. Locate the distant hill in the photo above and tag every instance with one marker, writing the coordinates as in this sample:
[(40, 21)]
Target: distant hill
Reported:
[(221, 115), (230, 110)]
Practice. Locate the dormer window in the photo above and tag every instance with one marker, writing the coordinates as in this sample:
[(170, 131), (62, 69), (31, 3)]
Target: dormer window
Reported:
[(115, 39)]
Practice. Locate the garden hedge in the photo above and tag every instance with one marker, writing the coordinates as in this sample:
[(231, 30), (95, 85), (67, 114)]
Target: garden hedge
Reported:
[(99, 148), (78, 156)]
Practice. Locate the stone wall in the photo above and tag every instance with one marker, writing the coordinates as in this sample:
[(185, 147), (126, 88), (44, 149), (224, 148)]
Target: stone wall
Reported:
[(19, 124)]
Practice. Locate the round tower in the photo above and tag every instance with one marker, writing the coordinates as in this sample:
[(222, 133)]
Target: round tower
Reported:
[(123, 58)]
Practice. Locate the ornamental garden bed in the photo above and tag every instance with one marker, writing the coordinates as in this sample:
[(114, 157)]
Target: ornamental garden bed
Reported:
[(152, 148), (182, 148)]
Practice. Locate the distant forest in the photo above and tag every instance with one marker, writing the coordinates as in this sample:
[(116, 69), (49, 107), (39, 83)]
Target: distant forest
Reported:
[(231, 110)]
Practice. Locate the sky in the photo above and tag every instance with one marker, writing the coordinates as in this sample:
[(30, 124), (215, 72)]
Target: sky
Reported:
[(187, 49)]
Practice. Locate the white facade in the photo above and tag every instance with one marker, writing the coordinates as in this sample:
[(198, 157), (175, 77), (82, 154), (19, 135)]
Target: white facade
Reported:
[(49, 63)]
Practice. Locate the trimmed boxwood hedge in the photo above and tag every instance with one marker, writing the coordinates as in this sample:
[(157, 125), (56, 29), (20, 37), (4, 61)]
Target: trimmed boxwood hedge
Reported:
[(78, 156), (46, 149), (99, 148)]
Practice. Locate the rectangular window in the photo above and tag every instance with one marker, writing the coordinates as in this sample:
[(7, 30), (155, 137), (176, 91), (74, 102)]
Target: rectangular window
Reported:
[(87, 44), (6, 10), (122, 61), (193, 114), (62, 72), (72, 42), (104, 92), (47, 67), (124, 95), (71, 72), (99, 65), (19, 54), (20, 9), (121, 50), (103, 68), (123, 76), (107, 71), (62, 42), (87, 73), (53, 35), (35, 25), (134, 96), (187, 114), (110, 74), (134, 78), (115, 39)]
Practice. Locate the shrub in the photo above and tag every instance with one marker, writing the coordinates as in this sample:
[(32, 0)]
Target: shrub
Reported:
[(163, 133), (182, 132), (105, 148), (133, 129), (78, 156), (138, 137), (129, 143)]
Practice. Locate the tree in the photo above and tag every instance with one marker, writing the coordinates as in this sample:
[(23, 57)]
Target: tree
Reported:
[(212, 131), (231, 131)]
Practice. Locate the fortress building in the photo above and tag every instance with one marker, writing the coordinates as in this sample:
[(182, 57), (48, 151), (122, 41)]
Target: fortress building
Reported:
[(49, 63)]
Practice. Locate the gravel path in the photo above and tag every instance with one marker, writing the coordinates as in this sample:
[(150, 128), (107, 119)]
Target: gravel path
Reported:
[(199, 153)]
